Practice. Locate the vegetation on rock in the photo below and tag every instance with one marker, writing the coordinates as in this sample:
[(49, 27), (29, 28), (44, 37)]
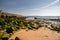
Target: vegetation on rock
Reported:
[(9, 24)]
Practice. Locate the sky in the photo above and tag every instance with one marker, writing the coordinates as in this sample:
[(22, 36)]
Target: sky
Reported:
[(31, 7)]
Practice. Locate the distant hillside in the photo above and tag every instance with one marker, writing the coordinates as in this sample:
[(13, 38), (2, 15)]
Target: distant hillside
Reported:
[(9, 14)]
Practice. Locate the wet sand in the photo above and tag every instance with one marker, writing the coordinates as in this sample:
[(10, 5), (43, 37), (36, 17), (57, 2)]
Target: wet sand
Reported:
[(40, 34)]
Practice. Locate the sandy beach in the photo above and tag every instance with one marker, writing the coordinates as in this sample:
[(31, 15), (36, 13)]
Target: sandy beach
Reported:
[(40, 34)]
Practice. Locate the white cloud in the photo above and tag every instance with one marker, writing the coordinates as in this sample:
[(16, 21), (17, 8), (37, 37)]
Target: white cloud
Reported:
[(54, 2), (47, 6), (44, 11), (48, 10)]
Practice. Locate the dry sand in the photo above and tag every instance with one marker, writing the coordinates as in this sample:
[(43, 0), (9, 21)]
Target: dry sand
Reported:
[(40, 34)]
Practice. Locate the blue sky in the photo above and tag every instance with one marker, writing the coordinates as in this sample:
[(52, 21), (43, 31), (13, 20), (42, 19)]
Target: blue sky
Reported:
[(31, 7)]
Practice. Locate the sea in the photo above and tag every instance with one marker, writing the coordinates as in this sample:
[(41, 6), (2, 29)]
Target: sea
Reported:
[(42, 17)]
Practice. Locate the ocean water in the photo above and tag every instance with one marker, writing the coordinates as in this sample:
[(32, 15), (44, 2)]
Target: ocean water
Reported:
[(39, 18), (43, 17)]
